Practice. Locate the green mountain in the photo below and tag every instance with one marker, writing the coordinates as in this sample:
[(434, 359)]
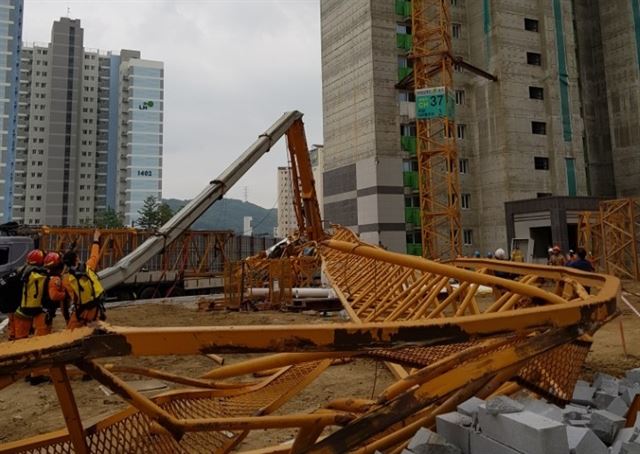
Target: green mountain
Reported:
[(228, 214)]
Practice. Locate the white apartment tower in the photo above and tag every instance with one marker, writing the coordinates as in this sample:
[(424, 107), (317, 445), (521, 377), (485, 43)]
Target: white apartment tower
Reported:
[(78, 138), (287, 224)]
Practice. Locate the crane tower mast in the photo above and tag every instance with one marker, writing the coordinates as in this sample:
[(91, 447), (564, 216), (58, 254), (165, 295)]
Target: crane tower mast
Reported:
[(435, 124)]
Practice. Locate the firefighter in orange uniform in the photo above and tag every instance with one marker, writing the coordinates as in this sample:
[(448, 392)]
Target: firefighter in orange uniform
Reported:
[(83, 286), (40, 292)]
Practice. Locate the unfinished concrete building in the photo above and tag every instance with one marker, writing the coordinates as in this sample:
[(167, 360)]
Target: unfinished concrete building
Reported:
[(518, 138)]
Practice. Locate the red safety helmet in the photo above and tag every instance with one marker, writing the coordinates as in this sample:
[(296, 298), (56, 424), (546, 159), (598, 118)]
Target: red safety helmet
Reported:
[(52, 259), (35, 257)]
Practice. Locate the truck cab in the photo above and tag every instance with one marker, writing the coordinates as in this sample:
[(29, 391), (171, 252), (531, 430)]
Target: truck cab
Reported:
[(13, 251)]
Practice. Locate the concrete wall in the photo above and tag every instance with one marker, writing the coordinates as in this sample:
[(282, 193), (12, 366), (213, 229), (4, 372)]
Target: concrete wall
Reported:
[(594, 97), (621, 67), (362, 178)]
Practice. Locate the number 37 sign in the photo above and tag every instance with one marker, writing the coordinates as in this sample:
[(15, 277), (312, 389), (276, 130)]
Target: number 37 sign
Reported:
[(434, 103)]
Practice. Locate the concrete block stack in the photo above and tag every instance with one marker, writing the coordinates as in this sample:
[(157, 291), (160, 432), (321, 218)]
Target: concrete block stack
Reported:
[(592, 424)]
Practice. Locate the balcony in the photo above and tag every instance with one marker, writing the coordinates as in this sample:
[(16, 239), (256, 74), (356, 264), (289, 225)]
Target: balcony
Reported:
[(408, 109), (404, 41), (414, 249), (403, 8), (410, 179), (408, 144), (404, 72), (412, 215)]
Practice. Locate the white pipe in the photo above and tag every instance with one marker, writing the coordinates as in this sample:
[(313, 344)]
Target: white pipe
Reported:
[(626, 301), (296, 292)]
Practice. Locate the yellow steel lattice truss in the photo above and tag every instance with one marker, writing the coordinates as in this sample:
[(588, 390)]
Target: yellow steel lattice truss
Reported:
[(436, 144), (470, 327)]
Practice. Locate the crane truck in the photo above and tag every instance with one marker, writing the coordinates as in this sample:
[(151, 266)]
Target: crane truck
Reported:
[(132, 269)]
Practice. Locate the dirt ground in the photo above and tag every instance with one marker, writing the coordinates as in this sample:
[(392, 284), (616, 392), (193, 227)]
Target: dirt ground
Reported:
[(29, 410)]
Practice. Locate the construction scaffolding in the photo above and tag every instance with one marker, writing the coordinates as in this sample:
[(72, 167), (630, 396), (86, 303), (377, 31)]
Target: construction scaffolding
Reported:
[(611, 235)]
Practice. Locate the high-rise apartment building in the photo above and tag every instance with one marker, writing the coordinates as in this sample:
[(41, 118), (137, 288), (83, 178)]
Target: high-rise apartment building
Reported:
[(90, 131), (287, 224), (520, 137), (316, 157), (11, 12), (608, 33)]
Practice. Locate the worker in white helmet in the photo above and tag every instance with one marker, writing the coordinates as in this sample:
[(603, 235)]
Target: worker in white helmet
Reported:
[(500, 254)]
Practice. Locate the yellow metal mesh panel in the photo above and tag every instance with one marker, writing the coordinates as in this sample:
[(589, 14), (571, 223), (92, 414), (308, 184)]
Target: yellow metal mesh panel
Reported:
[(554, 374), (132, 433)]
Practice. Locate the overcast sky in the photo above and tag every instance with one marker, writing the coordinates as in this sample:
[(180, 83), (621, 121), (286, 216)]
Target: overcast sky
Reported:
[(232, 67)]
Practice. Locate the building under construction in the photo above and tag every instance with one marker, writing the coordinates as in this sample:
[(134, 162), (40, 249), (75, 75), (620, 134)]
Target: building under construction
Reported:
[(546, 104)]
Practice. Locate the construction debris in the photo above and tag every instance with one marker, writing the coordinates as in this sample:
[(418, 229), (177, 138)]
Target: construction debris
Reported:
[(524, 424)]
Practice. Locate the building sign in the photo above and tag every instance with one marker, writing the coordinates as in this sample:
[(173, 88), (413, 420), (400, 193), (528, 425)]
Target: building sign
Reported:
[(145, 173), (145, 105), (432, 103)]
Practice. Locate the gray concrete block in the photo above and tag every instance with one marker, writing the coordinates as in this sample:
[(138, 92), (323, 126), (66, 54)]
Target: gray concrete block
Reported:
[(618, 407), (630, 448), (583, 395), (481, 444), (610, 386), (525, 431), (542, 408), (582, 383), (573, 412), (599, 377), (623, 436), (456, 429), (578, 422), (503, 404), (606, 425), (470, 407), (633, 375), (628, 394), (428, 442), (584, 441), (603, 399)]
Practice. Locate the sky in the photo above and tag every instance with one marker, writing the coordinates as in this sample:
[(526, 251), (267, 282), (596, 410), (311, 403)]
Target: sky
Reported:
[(232, 68)]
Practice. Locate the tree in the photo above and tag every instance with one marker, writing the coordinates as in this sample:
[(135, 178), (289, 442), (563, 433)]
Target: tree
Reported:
[(109, 219), (153, 214), (148, 214), (164, 214)]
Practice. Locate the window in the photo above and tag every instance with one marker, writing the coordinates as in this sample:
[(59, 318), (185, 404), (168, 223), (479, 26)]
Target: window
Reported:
[(462, 129), (465, 201), (457, 67), (454, 2), (456, 30), (538, 127), (464, 165), (531, 25), (541, 163), (541, 195), (534, 58), (536, 93), (467, 237), (4, 255), (460, 96)]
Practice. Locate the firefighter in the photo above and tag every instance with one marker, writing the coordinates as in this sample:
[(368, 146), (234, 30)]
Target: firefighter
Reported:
[(83, 286), (39, 292), (34, 259), (54, 266)]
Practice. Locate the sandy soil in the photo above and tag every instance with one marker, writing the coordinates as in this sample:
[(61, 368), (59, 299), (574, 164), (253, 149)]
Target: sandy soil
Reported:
[(28, 410)]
